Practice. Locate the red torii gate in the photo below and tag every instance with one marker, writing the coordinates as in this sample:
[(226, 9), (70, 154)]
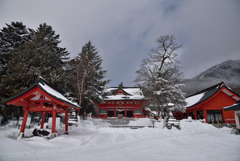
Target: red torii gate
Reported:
[(43, 98)]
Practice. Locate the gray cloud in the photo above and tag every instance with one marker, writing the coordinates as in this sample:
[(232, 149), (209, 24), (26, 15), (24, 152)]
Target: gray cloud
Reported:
[(125, 31)]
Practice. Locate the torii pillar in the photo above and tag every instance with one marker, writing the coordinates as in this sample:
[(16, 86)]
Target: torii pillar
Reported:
[(66, 121), (23, 123)]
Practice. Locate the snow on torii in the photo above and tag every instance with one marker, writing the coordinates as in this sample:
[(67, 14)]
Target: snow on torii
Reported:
[(43, 98)]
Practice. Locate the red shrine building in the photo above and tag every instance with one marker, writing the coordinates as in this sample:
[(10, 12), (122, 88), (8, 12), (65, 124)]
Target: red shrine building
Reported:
[(41, 97), (208, 104), (122, 102)]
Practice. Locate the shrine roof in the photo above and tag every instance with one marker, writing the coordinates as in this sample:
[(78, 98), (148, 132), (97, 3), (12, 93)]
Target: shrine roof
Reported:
[(50, 90), (129, 93), (233, 107), (207, 93)]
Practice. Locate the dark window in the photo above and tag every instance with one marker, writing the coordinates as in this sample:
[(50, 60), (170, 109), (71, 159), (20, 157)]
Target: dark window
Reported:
[(129, 113), (110, 113), (200, 115), (185, 116), (192, 115)]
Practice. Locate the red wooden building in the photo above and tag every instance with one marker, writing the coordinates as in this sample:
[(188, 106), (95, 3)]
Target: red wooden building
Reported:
[(43, 98), (208, 104), (126, 102)]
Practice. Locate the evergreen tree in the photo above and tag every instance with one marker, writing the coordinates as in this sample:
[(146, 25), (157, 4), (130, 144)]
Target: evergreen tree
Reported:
[(42, 55), (159, 76), (89, 77), (11, 37), (71, 79)]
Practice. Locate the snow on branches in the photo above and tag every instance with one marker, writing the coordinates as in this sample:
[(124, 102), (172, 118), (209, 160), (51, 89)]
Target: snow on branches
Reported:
[(159, 76)]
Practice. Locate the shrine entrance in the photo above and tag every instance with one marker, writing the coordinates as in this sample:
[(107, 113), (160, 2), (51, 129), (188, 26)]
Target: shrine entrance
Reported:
[(41, 97), (129, 113), (120, 112)]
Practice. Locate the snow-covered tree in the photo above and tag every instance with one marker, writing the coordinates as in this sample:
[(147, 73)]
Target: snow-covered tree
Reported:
[(11, 37), (41, 55), (89, 76), (159, 76)]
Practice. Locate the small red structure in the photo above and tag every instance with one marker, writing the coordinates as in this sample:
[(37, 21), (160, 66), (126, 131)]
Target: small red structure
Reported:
[(208, 104), (43, 98), (122, 102)]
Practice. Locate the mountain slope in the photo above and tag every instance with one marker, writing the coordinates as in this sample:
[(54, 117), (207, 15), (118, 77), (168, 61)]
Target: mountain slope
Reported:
[(227, 71)]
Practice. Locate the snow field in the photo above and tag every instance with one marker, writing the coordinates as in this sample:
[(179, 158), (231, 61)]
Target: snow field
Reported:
[(96, 141)]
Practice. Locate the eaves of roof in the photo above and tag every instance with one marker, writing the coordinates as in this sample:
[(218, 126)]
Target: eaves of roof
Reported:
[(233, 107), (210, 92), (37, 84)]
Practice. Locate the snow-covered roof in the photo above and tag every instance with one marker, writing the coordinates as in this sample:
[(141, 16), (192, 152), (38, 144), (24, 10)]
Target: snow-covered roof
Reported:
[(132, 93), (193, 100), (147, 109), (56, 94), (205, 94), (46, 87)]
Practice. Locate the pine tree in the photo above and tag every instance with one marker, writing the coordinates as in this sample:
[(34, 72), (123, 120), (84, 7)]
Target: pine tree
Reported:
[(89, 77), (42, 55), (11, 37), (159, 76)]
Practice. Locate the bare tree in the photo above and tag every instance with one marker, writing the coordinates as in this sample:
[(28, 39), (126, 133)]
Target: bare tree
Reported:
[(159, 76)]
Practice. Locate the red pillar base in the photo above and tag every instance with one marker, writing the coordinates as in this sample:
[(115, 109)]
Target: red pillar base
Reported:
[(51, 136), (53, 122), (66, 133), (20, 136), (24, 121)]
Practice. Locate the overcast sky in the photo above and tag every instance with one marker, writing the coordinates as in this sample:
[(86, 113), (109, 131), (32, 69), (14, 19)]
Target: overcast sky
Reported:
[(124, 31)]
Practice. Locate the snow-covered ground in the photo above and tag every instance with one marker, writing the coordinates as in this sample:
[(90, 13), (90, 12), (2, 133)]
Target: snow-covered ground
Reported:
[(95, 141)]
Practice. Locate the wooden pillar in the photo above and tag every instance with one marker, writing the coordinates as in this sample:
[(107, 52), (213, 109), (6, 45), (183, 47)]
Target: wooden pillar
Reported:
[(24, 121), (205, 115), (195, 113), (42, 122), (66, 121), (125, 112), (53, 121), (187, 114)]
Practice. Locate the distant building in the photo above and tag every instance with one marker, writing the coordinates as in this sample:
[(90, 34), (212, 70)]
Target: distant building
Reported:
[(208, 104), (236, 108), (122, 102)]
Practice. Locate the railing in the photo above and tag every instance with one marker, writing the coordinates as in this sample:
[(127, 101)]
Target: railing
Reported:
[(126, 126), (229, 121), (191, 120)]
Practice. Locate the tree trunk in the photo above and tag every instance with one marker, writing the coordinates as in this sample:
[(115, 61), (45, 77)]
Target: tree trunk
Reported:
[(164, 121), (80, 89)]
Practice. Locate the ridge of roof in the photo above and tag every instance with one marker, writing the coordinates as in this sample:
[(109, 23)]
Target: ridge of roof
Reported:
[(209, 92), (120, 88), (42, 80), (207, 89), (67, 102)]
